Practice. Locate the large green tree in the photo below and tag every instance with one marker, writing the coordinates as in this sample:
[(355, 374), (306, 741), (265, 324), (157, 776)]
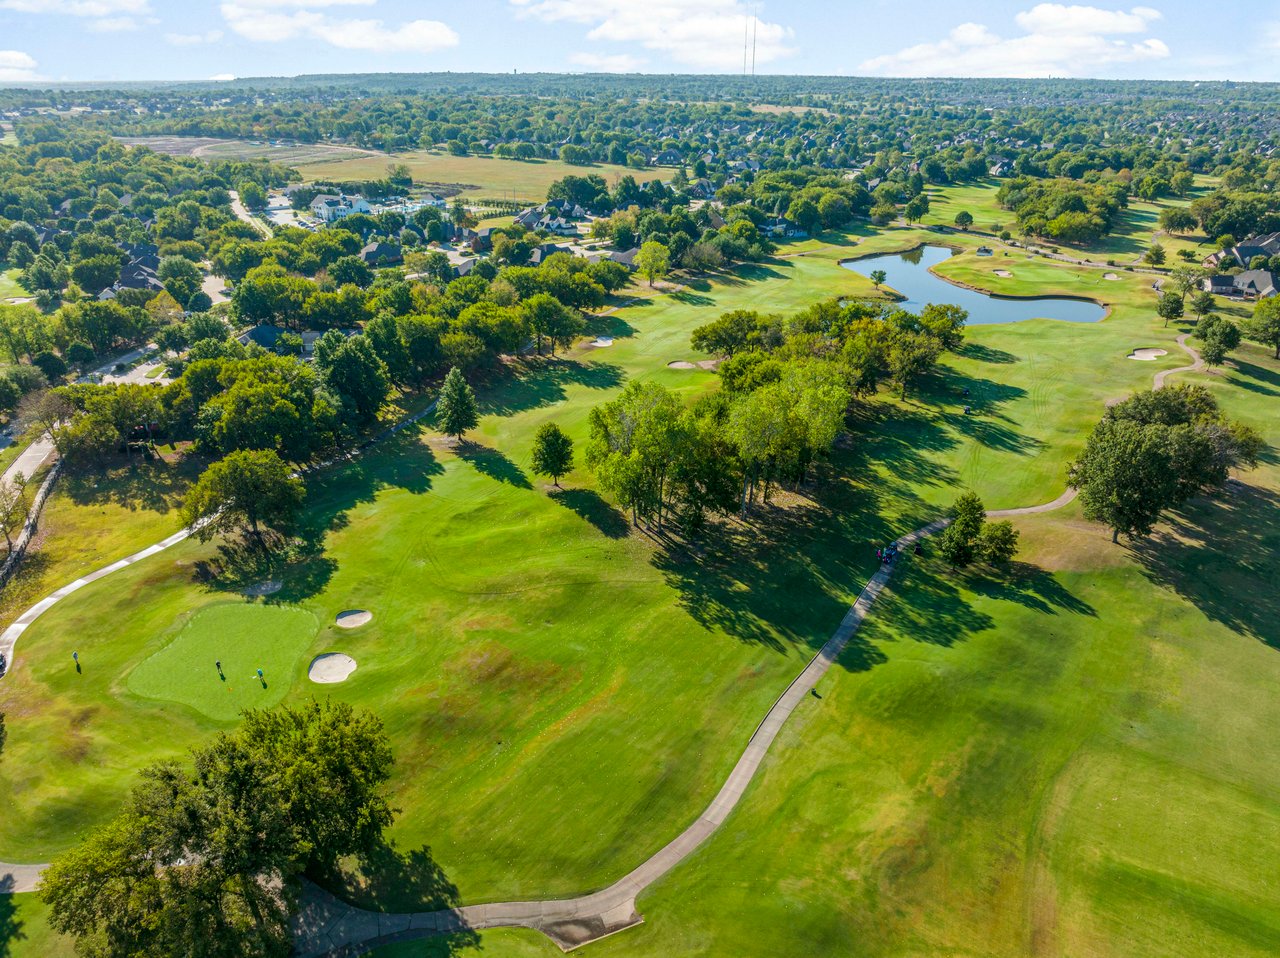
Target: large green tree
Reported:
[(206, 860), (249, 490), (1264, 326)]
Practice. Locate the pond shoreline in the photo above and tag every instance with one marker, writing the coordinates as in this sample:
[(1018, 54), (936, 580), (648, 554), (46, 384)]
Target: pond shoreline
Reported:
[(1105, 306)]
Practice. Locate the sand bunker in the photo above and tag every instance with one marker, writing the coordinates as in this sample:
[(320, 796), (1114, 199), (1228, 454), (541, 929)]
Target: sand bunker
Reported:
[(269, 587), (1003, 273), (681, 364), (353, 619), (1147, 355), (330, 668), (601, 342), (1111, 277)]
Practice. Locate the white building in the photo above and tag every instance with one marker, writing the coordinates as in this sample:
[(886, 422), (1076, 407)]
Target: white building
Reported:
[(329, 208)]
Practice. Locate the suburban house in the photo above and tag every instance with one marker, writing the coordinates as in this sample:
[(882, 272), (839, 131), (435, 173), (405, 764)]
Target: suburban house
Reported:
[(482, 240), (329, 208), (781, 226), (702, 190), (382, 254), (1243, 254), (626, 257), (1001, 166), (1251, 284), (668, 158), (540, 253)]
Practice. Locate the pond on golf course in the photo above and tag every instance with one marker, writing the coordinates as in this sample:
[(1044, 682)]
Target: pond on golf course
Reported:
[(908, 273)]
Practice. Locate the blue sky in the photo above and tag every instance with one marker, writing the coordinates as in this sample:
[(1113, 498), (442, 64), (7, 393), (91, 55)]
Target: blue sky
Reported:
[(203, 39)]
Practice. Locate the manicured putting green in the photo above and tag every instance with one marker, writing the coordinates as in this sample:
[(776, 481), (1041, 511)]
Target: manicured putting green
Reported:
[(244, 638)]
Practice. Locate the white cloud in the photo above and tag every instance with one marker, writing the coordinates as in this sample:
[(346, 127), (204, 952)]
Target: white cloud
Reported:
[(17, 67), (192, 39), (607, 63), (79, 8), (223, 77), (113, 25), (704, 33), (272, 21), (1059, 40)]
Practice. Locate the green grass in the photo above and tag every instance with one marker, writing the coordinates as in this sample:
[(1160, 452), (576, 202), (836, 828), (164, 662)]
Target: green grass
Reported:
[(481, 175), (244, 637), (24, 929), (563, 697), (9, 288)]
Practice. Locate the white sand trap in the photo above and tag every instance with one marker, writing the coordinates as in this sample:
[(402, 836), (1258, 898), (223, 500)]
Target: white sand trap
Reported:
[(1147, 355), (602, 342), (681, 364), (353, 619), (269, 587), (330, 668), (1003, 273), (1110, 277)]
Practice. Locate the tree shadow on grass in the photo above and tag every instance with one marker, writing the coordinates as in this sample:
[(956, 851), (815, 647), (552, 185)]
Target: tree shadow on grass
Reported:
[(300, 562), (1255, 378), (154, 484), (904, 440), (688, 297), (784, 578), (1027, 585), (389, 879), (588, 504), (1220, 554), (493, 463), (926, 604), (535, 383), (398, 882), (612, 326), (986, 354), (10, 925)]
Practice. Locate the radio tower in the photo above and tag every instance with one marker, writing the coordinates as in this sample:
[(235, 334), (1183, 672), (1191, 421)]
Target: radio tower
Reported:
[(755, 27)]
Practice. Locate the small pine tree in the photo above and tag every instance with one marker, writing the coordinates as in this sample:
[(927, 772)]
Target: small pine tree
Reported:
[(959, 542), (552, 452), (456, 407)]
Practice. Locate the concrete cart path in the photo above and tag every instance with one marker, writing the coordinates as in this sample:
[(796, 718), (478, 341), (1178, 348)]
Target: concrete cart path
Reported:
[(30, 459)]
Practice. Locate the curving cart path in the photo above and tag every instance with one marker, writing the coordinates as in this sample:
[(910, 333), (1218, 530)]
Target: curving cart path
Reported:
[(328, 926), (1197, 364)]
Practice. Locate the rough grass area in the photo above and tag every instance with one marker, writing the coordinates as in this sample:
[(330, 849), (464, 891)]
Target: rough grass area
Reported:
[(244, 637)]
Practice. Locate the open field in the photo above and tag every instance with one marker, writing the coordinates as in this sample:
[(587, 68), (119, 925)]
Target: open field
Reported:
[(214, 149), (564, 696), (479, 175)]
